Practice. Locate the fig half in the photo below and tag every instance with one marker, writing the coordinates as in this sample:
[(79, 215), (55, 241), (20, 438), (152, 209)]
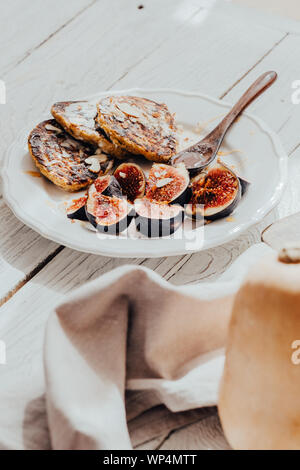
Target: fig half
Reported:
[(168, 184), (106, 210), (107, 185), (216, 192), (157, 219), (76, 210), (131, 179)]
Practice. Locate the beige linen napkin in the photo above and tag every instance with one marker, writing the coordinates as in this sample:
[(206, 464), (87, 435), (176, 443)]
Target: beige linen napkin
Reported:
[(129, 329)]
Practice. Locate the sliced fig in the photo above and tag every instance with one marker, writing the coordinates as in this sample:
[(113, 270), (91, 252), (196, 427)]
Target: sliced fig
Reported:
[(169, 184), (132, 180), (76, 210), (108, 214), (157, 219), (108, 186), (216, 191)]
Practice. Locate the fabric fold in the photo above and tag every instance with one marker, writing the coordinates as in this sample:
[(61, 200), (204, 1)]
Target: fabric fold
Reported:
[(129, 329)]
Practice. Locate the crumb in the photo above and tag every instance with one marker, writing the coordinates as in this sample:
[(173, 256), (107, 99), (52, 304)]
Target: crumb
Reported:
[(229, 152), (230, 219), (186, 139), (140, 7)]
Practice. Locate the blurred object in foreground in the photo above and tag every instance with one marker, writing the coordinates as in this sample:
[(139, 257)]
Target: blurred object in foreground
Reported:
[(259, 398)]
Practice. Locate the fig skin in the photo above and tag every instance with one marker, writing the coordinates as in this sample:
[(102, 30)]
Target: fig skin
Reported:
[(76, 211), (134, 176), (113, 229), (108, 186), (223, 210), (168, 193), (244, 185), (154, 226)]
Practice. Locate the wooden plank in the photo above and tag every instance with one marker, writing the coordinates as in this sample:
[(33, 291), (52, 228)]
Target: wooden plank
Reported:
[(210, 56), (238, 70), (160, 421), (80, 73), (24, 29), (21, 252), (153, 444), (276, 106), (207, 434), (210, 264)]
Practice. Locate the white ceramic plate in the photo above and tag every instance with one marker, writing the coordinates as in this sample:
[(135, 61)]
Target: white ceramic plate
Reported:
[(250, 147)]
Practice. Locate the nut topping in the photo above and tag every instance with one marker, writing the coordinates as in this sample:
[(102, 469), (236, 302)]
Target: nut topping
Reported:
[(49, 127), (128, 109), (66, 145), (94, 164), (163, 182)]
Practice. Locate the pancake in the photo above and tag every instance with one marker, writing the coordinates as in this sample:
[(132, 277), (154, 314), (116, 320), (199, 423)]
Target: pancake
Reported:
[(139, 126), (78, 119), (68, 163)]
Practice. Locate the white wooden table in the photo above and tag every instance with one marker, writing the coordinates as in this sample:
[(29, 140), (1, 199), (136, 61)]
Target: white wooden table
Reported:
[(55, 50)]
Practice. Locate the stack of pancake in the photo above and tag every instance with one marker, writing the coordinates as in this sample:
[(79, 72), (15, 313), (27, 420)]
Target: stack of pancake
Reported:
[(84, 137)]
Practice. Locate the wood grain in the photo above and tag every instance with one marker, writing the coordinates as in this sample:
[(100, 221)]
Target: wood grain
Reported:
[(282, 114), (19, 34), (204, 435), (210, 34), (19, 246), (159, 422)]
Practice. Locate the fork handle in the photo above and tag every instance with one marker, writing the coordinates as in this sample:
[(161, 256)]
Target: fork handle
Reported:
[(260, 85)]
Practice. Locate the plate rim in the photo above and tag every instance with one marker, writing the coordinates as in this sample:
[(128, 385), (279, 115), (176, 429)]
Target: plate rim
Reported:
[(51, 234)]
